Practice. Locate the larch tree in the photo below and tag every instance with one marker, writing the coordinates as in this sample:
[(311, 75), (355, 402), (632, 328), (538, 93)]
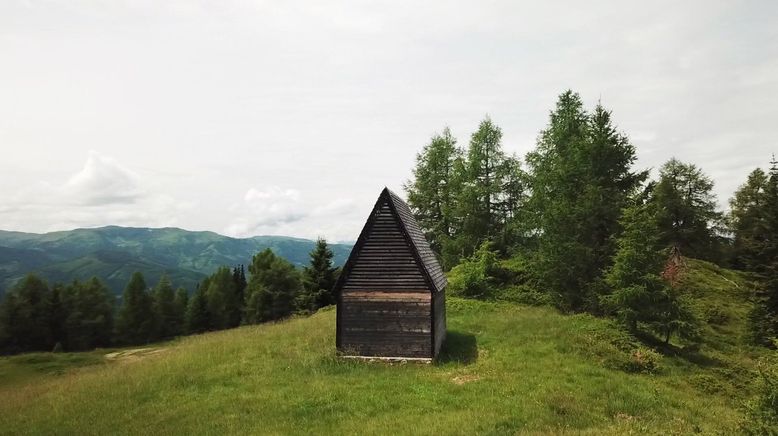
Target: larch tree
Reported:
[(686, 207), (432, 192)]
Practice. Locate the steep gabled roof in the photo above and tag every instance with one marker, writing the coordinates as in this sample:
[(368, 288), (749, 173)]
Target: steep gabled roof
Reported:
[(420, 248)]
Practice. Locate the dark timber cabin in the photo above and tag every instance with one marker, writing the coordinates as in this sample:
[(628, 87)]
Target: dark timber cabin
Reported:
[(391, 293)]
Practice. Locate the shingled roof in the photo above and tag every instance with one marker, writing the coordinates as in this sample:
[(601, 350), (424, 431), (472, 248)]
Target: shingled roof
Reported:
[(413, 235)]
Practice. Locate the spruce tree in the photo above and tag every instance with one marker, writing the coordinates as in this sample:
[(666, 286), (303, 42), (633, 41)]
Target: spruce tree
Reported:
[(136, 322), (57, 315), (224, 307), (319, 277), (580, 177), (24, 316), (180, 304), (764, 318), (640, 296), (747, 220), (89, 320), (197, 320)]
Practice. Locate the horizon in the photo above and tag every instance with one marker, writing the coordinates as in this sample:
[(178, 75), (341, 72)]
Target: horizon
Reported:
[(336, 242)]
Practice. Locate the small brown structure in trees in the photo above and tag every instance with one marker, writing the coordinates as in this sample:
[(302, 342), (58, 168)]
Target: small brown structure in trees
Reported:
[(391, 293)]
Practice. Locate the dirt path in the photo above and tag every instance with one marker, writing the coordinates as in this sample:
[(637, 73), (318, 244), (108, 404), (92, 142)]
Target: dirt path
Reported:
[(134, 354)]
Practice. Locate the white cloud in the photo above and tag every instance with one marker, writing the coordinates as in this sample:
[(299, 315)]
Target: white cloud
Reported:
[(102, 193), (285, 211), (103, 181)]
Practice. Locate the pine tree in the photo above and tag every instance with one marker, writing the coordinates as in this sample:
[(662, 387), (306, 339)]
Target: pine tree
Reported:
[(136, 323), (164, 308), (318, 278)]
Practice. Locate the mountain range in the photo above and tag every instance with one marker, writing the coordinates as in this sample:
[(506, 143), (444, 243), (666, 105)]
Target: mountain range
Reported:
[(113, 253)]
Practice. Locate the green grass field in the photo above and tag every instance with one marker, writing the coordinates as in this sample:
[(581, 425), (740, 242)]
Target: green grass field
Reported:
[(506, 369)]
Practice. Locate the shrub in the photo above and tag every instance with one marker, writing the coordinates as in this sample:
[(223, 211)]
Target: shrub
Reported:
[(525, 294), (643, 360), (761, 417), (716, 315), (474, 277)]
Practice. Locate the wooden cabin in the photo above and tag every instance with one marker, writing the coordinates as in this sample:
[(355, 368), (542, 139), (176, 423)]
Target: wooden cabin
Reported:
[(391, 294)]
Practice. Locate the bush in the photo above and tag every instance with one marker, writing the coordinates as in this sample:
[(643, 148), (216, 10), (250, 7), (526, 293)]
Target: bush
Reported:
[(761, 417), (716, 316), (474, 277), (525, 294), (643, 360)]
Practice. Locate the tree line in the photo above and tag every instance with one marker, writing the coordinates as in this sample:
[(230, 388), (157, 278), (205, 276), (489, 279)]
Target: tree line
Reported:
[(83, 316), (585, 230)]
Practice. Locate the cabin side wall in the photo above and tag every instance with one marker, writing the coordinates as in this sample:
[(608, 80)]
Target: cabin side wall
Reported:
[(385, 303), (439, 323)]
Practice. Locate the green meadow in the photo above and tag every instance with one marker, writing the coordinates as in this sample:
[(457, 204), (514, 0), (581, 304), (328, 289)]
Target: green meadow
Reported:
[(505, 369)]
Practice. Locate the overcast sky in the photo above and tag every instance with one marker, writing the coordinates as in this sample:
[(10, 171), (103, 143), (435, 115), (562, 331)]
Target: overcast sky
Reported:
[(285, 117)]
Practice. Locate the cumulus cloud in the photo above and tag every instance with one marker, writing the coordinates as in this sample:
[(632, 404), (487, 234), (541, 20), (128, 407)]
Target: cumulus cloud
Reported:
[(103, 181), (103, 192)]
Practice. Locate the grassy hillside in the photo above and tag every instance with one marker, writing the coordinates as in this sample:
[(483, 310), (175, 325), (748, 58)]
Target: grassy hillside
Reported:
[(114, 253), (506, 369)]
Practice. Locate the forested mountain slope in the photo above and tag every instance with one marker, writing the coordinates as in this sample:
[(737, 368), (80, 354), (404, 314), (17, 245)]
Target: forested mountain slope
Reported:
[(114, 253)]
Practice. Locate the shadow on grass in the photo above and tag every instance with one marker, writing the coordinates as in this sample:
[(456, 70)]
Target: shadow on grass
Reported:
[(459, 347), (689, 353)]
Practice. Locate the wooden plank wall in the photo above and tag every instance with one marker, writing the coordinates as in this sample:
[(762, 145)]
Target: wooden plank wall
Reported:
[(439, 301), (385, 302), (386, 324)]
